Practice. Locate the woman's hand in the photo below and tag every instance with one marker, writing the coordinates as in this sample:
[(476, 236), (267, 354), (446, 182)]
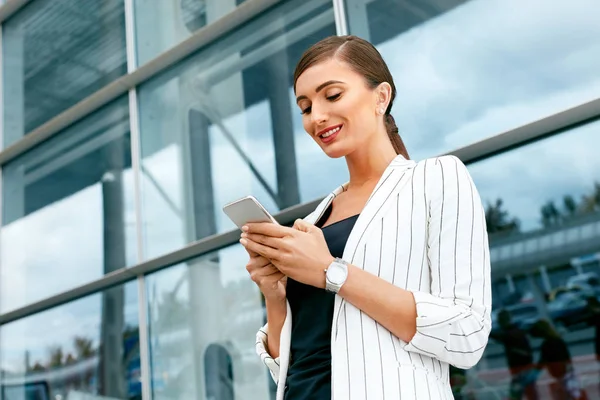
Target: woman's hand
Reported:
[(299, 252), (268, 278)]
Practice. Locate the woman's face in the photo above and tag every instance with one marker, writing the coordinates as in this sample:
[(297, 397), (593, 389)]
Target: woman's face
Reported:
[(338, 110)]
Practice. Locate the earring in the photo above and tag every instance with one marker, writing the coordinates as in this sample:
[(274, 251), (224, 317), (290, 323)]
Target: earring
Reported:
[(381, 111)]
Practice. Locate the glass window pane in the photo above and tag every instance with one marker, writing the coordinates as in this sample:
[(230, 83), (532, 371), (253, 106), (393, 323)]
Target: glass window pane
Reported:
[(81, 350), (466, 70), (67, 209), (549, 195), (56, 53), (545, 242), (517, 249), (160, 25), (531, 245), (587, 231), (203, 318), (224, 125)]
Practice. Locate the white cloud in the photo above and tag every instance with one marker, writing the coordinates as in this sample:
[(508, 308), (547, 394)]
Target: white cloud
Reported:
[(471, 67)]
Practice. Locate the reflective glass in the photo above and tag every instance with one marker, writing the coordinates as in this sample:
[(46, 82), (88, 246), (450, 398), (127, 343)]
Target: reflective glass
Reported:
[(467, 70), (67, 209), (224, 125), (203, 317), (540, 200), (160, 25), (56, 53), (84, 350)]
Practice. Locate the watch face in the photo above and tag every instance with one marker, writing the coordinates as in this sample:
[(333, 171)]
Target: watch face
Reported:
[(336, 274)]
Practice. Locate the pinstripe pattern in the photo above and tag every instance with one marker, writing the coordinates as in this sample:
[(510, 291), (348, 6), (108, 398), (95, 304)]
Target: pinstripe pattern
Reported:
[(423, 229)]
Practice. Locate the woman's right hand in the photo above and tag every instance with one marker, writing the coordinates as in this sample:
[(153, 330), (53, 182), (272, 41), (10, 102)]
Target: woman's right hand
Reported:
[(267, 277)]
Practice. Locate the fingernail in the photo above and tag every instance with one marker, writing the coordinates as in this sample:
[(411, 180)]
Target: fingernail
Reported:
[(243, 242), (245, 228), (244, 235)]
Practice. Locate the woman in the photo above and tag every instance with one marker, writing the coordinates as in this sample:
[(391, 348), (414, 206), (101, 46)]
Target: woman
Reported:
[(387, 282)]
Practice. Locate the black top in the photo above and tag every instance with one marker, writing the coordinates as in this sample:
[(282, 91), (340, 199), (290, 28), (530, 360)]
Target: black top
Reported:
[(309, 373)]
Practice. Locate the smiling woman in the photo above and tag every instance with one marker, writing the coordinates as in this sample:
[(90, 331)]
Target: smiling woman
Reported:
[(332, 58), (387, 283)]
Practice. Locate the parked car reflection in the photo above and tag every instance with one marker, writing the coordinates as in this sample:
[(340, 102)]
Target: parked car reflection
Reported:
[(523, 316), (567, 307), (587, 282)]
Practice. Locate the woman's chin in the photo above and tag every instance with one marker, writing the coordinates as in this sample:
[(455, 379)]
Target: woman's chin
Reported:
[(334, 151), (335, 154)]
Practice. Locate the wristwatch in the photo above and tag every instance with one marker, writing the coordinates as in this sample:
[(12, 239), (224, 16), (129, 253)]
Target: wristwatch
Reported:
[(335, 275)]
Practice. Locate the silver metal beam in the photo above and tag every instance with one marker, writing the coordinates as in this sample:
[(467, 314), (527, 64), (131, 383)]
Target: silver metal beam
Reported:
[(201, 38), (341, 21), (11, 7), (136, 159), (552, 125), (1, 94)]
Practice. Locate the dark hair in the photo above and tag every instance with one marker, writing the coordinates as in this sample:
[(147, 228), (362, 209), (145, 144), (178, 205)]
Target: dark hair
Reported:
[(365, 60)]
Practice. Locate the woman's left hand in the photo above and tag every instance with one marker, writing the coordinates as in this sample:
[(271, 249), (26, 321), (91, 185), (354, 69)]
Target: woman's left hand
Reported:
[(299, 252)]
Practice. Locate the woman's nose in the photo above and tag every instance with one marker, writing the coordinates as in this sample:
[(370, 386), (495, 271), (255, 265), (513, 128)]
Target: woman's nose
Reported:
[(318, 115)]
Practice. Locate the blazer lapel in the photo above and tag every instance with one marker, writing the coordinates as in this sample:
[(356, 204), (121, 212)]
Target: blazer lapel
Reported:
[(391, 182), (316, 215), (393, 179)]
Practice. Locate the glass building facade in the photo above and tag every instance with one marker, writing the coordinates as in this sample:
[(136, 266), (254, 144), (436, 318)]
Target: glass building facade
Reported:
[(125, 125)]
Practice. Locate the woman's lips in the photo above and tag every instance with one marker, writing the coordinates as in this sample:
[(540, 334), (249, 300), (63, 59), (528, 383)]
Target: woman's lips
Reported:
[(332, 137)]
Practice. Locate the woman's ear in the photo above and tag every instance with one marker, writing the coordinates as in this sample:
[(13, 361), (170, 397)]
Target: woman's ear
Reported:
[(384, 95)]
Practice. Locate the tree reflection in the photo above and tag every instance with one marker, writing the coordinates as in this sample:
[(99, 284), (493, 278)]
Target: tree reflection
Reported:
[(498, 220), (553, 215)]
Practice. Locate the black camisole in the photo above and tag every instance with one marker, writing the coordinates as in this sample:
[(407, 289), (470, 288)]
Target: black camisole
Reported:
[(309, 373)]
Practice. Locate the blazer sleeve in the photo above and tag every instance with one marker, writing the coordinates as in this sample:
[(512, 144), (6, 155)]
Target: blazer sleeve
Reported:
[(453, 318), (262, 350)]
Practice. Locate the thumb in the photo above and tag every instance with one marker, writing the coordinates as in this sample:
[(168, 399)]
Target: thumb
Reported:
[(303, 226)]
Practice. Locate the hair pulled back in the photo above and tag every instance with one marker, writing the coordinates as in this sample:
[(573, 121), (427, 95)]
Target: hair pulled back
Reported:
[(365, 60)]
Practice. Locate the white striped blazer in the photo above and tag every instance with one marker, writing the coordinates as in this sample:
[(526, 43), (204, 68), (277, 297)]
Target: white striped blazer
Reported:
[(423, 229)]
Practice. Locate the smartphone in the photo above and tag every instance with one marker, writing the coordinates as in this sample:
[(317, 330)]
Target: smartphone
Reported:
[(245, 210)]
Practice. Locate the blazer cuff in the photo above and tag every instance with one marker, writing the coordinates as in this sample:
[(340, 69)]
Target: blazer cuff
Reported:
[(434, 324), (262, 350)]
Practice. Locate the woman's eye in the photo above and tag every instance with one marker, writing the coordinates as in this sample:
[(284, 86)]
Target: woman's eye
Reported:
[(306, 110), (333, 97)]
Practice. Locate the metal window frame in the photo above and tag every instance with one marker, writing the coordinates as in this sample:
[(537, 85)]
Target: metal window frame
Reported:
[(499, 143), (11, 7), (552, 125), (1, 166), (200, 39), (134, 134), (341, 20)]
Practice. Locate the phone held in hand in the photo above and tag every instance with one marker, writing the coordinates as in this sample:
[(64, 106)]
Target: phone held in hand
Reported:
[(247, 209)]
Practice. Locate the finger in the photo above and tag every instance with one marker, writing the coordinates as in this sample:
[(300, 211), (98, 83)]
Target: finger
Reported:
[(268, 229), (264, 271), (251, 253), (271, 278), (302, 225), (268, 241), (270, 273), (257, 262), (261, 249)]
